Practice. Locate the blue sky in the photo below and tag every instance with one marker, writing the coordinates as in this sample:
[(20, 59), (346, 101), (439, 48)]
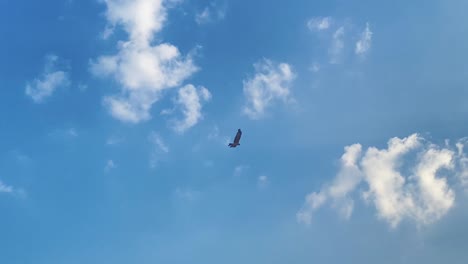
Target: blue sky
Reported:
[(116, 115)]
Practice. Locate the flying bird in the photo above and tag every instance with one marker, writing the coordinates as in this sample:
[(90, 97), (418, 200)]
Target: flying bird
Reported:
[(236, 139)]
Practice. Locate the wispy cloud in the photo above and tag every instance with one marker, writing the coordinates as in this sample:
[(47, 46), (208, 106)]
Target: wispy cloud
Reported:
[(263, 181), (215, 135), (110, 164), (364, 43), (406, 180), (203, 17), (339, 34), (190, 100), (158, 148), (272, 82), (239, 170), (211, 13), (337, 46), (319, 23), (315, 67), (48, 82), (142, 69), (10, 190), (5, 188)]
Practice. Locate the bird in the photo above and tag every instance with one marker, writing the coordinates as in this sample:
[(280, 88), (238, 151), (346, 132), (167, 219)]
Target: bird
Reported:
[(236, 139)]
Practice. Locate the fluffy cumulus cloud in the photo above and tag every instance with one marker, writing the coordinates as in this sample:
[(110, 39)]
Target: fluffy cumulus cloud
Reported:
[(50, 80), (319, 23), (190, 100), (405, 181), (364, 42), (272, 82), (142, 69)]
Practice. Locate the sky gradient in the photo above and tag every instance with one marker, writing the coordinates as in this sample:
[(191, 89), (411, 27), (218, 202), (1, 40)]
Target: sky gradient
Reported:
[(116, 116)]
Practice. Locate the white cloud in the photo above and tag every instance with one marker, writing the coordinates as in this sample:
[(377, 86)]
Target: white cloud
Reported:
[(406, 181), (337, 46), (190, 100), (143, 70), (109, 165), (345, 182), (364, 42), (272, 82), (158, 148), (319, 23), (50, 80)]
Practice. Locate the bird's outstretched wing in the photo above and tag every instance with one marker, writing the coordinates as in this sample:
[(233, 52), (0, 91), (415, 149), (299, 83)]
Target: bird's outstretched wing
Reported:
[(238, 137)]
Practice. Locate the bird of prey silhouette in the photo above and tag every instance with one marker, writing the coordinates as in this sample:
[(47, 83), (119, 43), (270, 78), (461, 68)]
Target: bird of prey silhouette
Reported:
[(236, 139)]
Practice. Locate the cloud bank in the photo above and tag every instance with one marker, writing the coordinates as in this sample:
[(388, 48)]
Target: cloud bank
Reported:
[(408, 180)]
